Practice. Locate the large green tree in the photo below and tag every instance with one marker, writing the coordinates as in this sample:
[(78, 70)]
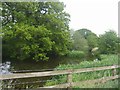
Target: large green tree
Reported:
[(23, 41), (108, 42), (37, 30)]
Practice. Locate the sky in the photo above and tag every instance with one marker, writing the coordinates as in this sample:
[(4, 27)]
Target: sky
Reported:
[(96, 15)]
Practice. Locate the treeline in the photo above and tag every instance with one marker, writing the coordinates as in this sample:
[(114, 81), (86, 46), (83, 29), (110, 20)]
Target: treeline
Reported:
[(92, 45), (40, 30)]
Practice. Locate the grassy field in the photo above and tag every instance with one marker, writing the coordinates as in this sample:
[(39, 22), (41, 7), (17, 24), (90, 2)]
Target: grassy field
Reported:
[(107, 60)]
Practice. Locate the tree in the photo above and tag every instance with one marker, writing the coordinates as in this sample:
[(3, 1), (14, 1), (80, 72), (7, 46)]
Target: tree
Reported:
[(118, 45), (44, 23), (79, 42), (86, 40), (91, 37), (23, 41), (108, 42)]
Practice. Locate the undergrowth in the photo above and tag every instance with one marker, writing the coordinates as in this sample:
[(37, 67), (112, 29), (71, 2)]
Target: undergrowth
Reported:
[(107, 60)]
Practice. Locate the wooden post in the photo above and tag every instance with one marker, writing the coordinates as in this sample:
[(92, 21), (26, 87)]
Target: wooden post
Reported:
[(69, 80), (114, 71)]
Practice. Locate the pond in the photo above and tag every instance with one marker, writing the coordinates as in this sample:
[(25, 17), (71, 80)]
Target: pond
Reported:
[(9, 67)]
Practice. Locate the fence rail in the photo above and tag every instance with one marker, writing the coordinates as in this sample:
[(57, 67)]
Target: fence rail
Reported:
[(69, 75)]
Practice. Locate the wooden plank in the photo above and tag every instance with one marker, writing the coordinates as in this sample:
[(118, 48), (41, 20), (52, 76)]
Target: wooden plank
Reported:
[(34, 74), (100, 80), (69, 80), (51, 73), (94, 69)]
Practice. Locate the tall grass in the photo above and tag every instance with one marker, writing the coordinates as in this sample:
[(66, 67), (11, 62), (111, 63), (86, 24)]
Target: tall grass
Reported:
[(108, 84), (107, 60)]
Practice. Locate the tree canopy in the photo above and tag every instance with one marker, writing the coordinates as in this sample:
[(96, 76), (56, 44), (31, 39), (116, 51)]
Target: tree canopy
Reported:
[(36, 30), (86, 35), (108, 42)]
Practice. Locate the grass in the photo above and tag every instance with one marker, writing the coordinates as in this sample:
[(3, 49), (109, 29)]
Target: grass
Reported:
[(108, 84), (76, 54), (107, 60)]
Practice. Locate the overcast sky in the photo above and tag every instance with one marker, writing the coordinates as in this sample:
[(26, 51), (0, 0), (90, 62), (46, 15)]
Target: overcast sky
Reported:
[(96, 15)]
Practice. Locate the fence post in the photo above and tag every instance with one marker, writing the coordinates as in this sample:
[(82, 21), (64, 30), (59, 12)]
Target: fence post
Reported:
[(114, 71), (69, 80)]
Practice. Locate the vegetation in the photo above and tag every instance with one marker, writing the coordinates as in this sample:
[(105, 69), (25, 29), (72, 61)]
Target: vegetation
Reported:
[(107, 60), (79, 42), (76, 54), (109, 84), (85, 40), (108, 43), (40, 31), (34, 30)]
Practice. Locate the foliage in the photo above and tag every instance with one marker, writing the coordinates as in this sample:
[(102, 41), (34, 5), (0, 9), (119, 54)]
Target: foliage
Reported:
[(91, 37), (79, 42), (85, 40), (88, 64), (108, 42), (76, 54), (107, 60), (37, 30), (23, 41), (118, 45), (108, 84)]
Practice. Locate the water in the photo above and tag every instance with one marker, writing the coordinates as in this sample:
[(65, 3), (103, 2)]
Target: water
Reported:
[(9, 67)]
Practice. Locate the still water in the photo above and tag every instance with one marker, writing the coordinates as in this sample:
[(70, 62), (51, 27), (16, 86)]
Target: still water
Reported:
[(9, 67)]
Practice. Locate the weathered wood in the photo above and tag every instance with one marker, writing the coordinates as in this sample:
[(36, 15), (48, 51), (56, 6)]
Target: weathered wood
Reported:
[(95, 69), (100, 80), (114, 72), (51, 73), (34, 74), (69, 80)]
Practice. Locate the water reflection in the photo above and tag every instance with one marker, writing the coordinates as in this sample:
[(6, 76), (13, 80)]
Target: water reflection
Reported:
[(5, 68)]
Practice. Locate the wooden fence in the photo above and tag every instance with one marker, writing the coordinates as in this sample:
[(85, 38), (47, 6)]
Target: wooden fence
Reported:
[(69, 76)]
